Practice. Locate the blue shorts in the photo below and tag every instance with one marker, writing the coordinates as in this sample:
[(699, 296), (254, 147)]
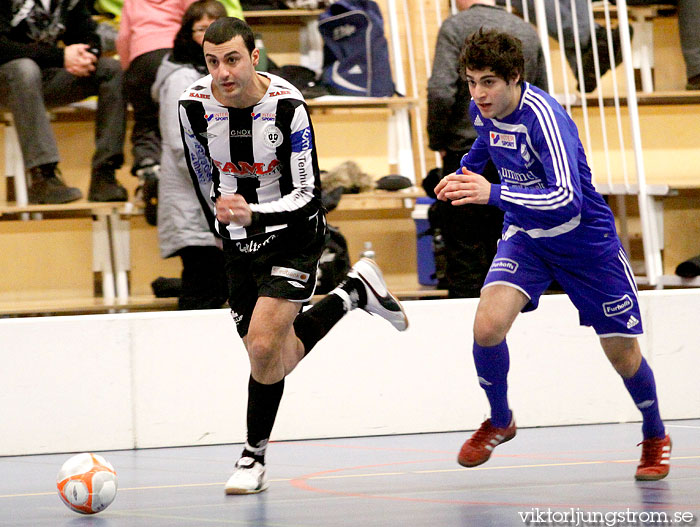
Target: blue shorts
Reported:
[(602, 289)]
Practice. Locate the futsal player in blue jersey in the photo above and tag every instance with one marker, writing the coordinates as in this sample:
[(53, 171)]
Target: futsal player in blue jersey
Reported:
[(556, 227)]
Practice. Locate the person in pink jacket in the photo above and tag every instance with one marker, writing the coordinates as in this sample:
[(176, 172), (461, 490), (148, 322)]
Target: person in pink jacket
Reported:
[(146, 33)]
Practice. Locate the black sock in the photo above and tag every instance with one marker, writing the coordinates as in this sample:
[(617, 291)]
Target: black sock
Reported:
[(314, 323), (263, 402), (355, 286)]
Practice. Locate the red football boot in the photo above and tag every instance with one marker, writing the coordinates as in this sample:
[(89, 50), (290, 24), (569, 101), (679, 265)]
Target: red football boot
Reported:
[(656, 458), (478, 448)]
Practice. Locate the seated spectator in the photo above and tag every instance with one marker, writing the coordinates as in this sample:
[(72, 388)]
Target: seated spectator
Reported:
[(584, 35), (689, 22), (146, 32), (689, 28), (182, 228), (50, 56)]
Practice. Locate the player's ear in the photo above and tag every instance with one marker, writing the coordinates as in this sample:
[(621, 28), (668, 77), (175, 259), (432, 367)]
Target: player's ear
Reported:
[(255, 56)]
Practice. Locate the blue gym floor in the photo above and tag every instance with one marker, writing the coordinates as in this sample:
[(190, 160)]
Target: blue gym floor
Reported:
[(409, 480)]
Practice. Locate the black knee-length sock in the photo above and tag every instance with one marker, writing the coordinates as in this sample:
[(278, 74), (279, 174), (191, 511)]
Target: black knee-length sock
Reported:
[(263, 402)]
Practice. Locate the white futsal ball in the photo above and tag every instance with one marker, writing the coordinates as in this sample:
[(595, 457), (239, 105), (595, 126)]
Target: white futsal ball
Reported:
[(87, 483)]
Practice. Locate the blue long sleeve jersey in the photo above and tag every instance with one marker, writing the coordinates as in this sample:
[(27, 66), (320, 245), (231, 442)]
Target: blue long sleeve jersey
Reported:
[(546, 189)]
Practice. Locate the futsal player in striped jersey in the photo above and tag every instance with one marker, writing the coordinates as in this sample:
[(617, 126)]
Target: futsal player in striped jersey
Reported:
[(556, 227), (251, 153)]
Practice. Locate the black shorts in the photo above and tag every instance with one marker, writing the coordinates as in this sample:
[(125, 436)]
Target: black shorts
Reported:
[(279, 264)]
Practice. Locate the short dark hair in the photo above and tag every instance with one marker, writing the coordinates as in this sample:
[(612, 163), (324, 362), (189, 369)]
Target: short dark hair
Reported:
[(185, 49), (226, 28), (501, 52)]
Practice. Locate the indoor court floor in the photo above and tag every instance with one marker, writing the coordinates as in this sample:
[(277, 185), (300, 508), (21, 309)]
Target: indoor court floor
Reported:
[(569, 475)]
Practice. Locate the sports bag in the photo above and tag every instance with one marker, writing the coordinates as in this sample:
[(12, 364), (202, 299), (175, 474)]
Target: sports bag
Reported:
[(356, 54)]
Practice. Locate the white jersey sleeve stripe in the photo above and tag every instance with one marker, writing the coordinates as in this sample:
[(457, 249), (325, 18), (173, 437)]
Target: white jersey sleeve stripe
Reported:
[(552, 127)]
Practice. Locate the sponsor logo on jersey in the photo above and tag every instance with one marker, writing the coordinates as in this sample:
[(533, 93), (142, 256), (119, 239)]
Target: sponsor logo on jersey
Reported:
[(619, 306), (287, 272), (502, 140), (253, 246), (478, 121), (504, 264), (241, 134), (525, 154), (278, 93), (263, 116), (272, 136), (632, 322), (199, 95), (207, 135), (518, 178), (301, 140), (200, 163), (295, 284), (220, 116), (197, 88), (245, 169)]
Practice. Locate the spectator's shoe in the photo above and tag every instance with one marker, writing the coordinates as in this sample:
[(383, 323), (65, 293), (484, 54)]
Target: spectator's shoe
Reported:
[(379, 301), (147, 191), (478, 448), (693, 83), (656, 459), (587, 60), (48, 187), (249, 477), (105, 187)]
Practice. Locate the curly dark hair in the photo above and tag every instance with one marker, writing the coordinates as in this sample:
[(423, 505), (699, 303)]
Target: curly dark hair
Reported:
[(185, 49), (501, 52)]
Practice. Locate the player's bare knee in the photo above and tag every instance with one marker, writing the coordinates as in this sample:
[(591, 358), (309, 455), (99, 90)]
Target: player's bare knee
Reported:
[(624, 355), (261, 349), (625, 364), (488, 331)]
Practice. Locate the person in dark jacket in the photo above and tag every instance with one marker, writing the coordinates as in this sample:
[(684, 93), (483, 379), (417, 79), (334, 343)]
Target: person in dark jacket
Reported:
[(50, 56)]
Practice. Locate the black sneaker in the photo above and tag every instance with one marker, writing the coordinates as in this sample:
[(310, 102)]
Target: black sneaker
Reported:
[(105, 187), (147, 191), (48, 188)]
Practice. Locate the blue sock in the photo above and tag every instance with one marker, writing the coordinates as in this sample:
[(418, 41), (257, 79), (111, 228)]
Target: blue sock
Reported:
[(492, 363), (642, 388)]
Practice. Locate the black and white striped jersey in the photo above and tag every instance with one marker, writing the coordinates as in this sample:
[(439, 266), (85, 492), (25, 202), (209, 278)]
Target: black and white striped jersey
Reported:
[(266, 153)]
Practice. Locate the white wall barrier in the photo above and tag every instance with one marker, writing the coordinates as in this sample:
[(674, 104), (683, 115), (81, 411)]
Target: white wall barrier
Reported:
[(141, 380)]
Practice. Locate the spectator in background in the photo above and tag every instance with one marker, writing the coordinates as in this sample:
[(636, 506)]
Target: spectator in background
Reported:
[(689, 28), (114, 7), (109, 7), (182, 228), (584, 34), (50, 56), (146, 32), (470, 233)]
